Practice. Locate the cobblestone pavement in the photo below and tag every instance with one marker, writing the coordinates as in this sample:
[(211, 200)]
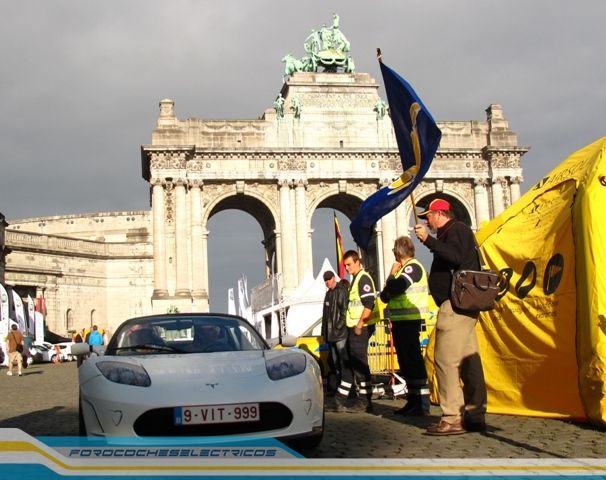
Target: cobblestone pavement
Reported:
[(44, 401)]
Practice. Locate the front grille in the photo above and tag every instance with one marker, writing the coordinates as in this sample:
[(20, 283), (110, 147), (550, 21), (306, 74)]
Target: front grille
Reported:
[(160, 422)]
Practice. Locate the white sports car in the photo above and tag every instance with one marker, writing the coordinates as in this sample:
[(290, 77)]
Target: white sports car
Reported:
[(203, 375)]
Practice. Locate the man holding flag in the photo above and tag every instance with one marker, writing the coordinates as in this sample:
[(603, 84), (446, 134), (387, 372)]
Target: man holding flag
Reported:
[(418, 138)]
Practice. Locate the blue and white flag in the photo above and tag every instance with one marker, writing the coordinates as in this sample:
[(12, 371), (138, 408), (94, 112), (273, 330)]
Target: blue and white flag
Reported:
[(418, 139)]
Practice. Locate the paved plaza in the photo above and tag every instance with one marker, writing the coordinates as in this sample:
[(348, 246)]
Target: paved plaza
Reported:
[(44, 401)]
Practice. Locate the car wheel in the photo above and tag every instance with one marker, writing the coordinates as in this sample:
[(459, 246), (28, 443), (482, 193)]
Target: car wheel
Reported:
[(309, 443), (81, 424)]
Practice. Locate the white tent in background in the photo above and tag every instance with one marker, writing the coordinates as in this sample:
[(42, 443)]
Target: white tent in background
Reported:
[(231, 302), (305, 306)]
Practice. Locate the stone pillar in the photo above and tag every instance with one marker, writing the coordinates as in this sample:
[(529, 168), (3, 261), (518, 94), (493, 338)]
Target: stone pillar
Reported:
[(181, 224), (497, 196), (159, 239), (401, 220), (388, 228), (197, 242), (287, 234), (380, 276), (514, 188), (481, 201), (303, 254)]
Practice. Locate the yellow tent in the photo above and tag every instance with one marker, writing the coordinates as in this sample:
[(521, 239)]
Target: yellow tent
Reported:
[(544, 346)]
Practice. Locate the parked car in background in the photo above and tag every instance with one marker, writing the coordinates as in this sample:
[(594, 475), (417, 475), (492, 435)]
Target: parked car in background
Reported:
[(41, 353), (66, 351)]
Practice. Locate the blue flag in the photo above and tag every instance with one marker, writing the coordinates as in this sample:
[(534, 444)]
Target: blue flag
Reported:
[(418, 139)]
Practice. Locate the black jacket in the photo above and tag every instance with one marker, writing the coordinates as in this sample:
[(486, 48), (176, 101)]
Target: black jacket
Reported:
[(334, 327), (453, 248)]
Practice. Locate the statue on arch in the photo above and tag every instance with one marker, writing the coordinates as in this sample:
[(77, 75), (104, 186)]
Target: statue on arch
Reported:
[(326, 47), (279, 106)]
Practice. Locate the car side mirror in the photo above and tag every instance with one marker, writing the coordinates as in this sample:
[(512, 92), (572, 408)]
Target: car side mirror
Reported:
[(288, 341), (82, 348)]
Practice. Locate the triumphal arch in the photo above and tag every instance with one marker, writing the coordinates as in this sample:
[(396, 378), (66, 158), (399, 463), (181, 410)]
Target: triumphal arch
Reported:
[(327, 141)]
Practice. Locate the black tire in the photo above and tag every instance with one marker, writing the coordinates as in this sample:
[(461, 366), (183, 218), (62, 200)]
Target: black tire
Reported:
[(308, 443), (81, 425)]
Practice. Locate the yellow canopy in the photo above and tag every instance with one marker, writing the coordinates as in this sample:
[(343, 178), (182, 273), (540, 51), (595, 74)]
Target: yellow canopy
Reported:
[(544, 347)]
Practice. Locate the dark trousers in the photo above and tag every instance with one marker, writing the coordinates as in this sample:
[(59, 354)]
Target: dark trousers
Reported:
[(358, 373), (405, 335), (338, 360)]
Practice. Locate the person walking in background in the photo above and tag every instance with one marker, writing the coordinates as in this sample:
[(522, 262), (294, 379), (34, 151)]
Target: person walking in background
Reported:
[(457, 356), (57, 356), (361, 300), (95, 337), (334, 331), (407, 295), (14, 346), (77, 338)]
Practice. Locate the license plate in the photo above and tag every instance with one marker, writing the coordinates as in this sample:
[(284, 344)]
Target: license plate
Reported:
[(207, 414)]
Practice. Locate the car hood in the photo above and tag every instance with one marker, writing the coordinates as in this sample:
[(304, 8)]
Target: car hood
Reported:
[(179, 368), (226, 374)]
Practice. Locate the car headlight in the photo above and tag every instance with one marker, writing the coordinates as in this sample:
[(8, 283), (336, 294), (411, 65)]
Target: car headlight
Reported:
[(125, 373), (284, 366)]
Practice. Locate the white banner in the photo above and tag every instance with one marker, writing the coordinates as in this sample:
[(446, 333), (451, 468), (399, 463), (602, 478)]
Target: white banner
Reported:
[(19, 314), (39, 335), (231, 302), (31, 309), (4, 322)]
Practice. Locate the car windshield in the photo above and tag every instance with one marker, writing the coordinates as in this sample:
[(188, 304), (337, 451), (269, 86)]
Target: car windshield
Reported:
[(166, 334)]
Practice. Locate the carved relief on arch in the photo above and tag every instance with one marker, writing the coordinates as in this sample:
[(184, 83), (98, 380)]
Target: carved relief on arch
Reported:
[(169, 204), (292, 164), (391, 162)]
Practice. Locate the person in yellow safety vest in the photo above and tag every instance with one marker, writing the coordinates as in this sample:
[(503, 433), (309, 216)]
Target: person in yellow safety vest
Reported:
[(407, 294), (362, 296)]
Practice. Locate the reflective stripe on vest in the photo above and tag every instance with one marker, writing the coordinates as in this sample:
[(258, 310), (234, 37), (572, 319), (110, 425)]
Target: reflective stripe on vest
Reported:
[(413, 304), (355, 307)]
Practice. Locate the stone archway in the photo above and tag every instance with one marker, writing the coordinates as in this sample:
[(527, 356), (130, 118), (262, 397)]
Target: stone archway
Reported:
[(334, 152)]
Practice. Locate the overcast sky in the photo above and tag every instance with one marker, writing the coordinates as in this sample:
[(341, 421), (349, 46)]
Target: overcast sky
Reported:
[(80, 84)]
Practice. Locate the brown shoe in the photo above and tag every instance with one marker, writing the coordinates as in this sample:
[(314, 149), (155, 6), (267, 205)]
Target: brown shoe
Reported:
[(445, 428)]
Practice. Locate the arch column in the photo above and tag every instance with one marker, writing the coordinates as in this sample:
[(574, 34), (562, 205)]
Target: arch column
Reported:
[(198, 242), (481, 201), (159, 236), (302, 230), (497, 196), (388, 230), (181, 228), (380, 256), (514, 188), (402, 227), (289, 254)]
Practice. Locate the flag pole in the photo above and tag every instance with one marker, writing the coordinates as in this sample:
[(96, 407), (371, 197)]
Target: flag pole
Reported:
[(414, 208)]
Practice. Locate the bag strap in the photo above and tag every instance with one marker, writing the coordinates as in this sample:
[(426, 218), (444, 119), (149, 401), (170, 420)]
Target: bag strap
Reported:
[(478, 252)]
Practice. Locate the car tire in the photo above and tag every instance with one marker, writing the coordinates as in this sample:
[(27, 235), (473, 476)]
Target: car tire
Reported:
[(81, 424), (308, 443)]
